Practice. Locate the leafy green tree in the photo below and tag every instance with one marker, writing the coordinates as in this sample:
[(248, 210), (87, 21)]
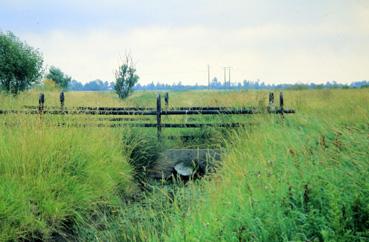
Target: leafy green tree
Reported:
[(20, 64), (126, 78), (61, 79)]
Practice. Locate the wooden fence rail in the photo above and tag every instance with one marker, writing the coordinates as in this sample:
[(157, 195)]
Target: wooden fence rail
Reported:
[(158, 112)]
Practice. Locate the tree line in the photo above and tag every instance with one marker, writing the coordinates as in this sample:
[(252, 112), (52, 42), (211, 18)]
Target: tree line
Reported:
[(95, 85), (247, 85), (99, 85)]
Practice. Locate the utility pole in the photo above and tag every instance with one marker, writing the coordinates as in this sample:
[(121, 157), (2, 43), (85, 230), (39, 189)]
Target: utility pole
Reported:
[(208, 76), (227, 83), (225, 76), (229, 76)]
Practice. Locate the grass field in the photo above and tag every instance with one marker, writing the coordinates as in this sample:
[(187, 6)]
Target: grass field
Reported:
[(301, 178)]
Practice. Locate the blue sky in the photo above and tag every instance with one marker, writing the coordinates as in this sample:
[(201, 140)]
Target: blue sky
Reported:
[(171, 41)]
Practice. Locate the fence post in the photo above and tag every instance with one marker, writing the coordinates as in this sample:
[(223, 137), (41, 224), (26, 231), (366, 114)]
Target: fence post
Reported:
[(281, 101), (62, 98), (271, 102), (41, 102), (166, 99), (158, 115)]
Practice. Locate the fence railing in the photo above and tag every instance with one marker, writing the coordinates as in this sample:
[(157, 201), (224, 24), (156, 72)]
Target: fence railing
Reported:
[(158, 112)]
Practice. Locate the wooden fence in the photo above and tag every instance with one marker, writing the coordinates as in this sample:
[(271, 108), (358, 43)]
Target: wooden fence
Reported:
[(158, 112)]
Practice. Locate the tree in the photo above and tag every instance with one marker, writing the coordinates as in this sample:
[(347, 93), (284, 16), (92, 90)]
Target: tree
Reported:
[(61, 79), (75, 85), (20, 64), (126, 78)]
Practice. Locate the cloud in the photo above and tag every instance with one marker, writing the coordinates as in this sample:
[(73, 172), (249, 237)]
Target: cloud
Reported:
[(45, 16), (289, 40), (271, 52)]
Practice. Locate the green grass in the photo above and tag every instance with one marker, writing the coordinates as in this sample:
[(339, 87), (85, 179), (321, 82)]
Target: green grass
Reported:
[(285, 184), (53, 178), (301, 178)]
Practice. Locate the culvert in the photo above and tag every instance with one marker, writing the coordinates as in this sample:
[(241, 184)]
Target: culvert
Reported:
[(185, 163)]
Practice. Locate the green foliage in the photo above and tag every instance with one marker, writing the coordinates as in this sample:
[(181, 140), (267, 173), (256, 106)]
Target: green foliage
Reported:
[(20, 64), (126, 78), (61, 79)]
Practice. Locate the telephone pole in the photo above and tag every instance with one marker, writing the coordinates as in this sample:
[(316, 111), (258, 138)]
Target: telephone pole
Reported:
[(229, 76), (208, 76), (227, 83), (225, 76)]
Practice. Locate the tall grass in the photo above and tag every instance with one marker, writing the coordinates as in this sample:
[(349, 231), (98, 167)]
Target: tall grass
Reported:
[(304, 177), (52, 178), (285, 185), (301, 178)]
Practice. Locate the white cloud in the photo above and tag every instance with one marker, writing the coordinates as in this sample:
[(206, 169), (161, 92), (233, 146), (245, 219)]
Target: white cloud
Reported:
[(272, 53), (330, 44)]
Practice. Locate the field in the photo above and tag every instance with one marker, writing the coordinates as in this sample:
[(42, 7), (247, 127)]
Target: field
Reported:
[(304, 177)]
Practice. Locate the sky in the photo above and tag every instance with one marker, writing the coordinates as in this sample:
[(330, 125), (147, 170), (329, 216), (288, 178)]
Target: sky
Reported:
[(174, 41)]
